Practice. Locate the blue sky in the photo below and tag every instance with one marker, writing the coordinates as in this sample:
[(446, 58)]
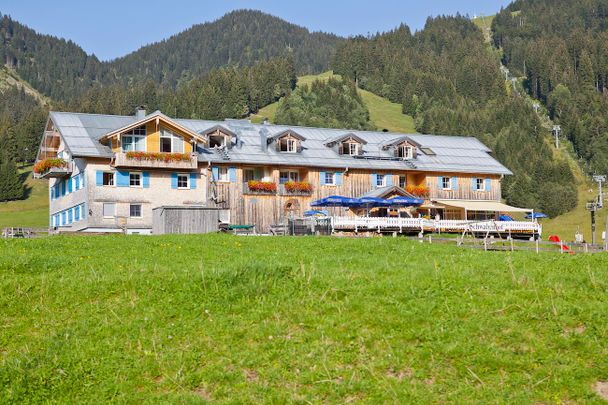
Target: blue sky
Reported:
[(111, 28)]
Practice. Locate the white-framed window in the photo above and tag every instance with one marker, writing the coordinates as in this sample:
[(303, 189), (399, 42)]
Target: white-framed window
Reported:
[(351, 148), (109, 210), (446, 183), (405, 152), (171, 142), (108, 179), (330, 178), (135, 210), (222, 174), (134, 140), (288, 175), (217, 141), (288, 145), (380, 180), (135, 179), (183, 181), (480, 185)]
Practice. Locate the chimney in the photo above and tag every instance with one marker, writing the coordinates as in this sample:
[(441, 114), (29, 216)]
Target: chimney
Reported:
[(140, 112), (264, 139)]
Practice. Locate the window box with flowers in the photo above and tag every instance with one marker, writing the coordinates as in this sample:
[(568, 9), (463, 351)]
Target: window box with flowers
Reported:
[(259, 187), (419, 191), (296, 188)]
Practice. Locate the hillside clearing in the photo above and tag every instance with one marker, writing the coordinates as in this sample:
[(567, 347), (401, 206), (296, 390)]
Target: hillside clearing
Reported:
[(383, 113), (180, 318)]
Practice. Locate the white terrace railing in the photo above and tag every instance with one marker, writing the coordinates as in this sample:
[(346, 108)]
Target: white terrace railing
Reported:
[(429, 225)]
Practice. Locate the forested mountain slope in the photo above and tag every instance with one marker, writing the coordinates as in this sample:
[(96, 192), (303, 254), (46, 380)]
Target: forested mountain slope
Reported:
[(445, 76), (62, 70), (561, 47), (240, 38)]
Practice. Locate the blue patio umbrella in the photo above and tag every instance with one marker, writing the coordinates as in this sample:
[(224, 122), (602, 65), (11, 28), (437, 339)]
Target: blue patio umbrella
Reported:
[(536, 215), (335, 201), (405, 202), (315, 213), (505, 217), (370, 202)]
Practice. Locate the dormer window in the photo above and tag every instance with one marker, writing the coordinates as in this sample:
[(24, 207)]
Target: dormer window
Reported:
[(351, 148), (219, 136), (406, 151), (287, 141), (288, 145), (217, 141)]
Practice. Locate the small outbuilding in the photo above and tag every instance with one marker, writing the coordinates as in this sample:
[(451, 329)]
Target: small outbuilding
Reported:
[(188, 219)]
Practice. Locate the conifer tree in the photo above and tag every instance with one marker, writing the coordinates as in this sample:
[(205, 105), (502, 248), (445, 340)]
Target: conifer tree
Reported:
[(11, 186)]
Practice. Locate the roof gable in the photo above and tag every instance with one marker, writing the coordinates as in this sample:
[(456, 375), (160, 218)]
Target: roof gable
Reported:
[(346, 137), (160, 119), (287, 132)]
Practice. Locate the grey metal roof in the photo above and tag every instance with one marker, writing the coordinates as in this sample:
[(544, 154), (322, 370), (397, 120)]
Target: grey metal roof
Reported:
[(82, 132)]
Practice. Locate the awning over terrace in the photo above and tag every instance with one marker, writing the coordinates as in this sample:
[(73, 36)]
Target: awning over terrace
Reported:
[(492, 206)]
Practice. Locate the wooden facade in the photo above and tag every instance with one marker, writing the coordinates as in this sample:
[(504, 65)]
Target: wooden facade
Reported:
[(264, 209)]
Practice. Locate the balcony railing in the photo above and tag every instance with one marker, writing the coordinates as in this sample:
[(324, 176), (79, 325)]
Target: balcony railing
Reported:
[(179, 161), (283, 190), (464, 193), (262, 188)]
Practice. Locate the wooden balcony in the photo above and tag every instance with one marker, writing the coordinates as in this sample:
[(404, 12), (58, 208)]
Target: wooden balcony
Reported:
[(283, 191), (155, 161)]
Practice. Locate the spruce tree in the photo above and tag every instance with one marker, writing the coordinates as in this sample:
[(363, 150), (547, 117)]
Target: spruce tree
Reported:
[(11, 186)]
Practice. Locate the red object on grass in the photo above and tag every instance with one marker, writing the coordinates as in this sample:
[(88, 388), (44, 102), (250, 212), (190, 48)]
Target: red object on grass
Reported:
[(555, 239)]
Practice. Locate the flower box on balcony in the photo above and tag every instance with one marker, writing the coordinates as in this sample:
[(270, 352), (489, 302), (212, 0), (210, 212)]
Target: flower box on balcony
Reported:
[(53, 167), (418, 191), (159, 160)]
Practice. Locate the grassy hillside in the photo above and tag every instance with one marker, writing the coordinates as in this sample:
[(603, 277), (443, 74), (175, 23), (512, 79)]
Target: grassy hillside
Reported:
[(9, 78), (383, 113), (159, 319), (30, 212)]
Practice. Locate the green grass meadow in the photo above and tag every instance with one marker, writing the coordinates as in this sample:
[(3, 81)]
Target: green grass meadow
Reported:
[(190, 319), (33, 211)]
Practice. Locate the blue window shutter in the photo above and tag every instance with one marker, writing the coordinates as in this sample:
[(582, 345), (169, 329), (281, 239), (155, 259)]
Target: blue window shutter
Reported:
[(322, 178), (122, 179), (146, 179), (488, 185), (374, 177), (77, 213), (454, 183), (233, 175), (192, 181), (338, 178), (389, 179), (62, 188), (173, 180), (216, 173), (81, 180), (56, 191), (52, 190), (440, 182), (63, 218), (99, 178), (69, 185), (84, 211)]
